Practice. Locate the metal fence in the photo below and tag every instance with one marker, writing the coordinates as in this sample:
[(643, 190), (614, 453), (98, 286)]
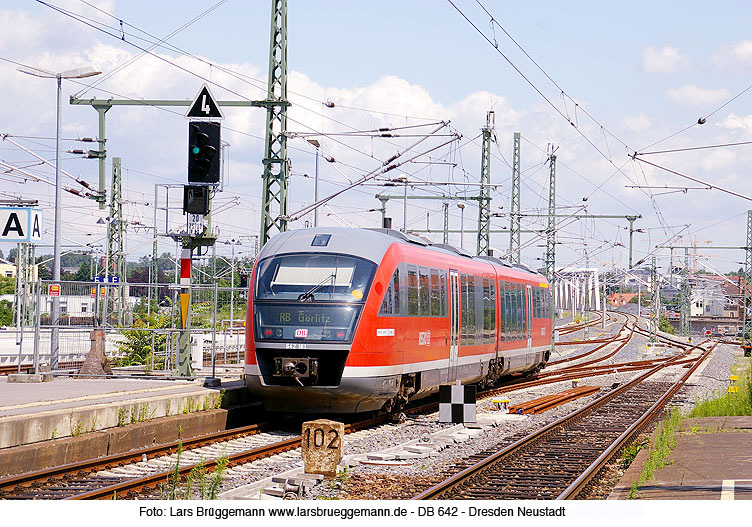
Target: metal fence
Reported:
[(142, 324)]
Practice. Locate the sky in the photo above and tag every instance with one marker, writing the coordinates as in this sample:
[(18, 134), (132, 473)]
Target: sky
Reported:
[(596, 82)]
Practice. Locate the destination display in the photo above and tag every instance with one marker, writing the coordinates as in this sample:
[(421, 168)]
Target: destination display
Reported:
[(305, 322)]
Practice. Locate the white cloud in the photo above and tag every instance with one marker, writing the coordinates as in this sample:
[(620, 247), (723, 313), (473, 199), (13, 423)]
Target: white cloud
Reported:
[(734, 121), (718, 159), (666, 60), (734, 56), (694, 96), (638, 123)]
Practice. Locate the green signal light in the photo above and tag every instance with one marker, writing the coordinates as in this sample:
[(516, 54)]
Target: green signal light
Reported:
[(195, 149)]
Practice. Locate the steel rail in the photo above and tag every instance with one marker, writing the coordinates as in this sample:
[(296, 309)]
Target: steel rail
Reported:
[(565, 330), (132, 485), (591, 471), (28, 478), (456, 480)]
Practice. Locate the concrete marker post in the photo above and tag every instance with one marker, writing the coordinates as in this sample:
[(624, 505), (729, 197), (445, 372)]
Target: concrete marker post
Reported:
[(322, 446)]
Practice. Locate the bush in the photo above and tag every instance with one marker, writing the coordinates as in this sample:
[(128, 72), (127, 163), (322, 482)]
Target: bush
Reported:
[(137, 344)]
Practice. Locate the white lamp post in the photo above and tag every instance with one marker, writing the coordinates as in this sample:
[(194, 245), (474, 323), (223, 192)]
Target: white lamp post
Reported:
[(462, 223), (315, 143), (78, 73)]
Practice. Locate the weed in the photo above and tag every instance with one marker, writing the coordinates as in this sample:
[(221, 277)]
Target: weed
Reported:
[(658, 456), (54, 433), (122, 416), (629, 453), (144, 414), (220, 399), (720, 403), (78, 429), (198, 484)]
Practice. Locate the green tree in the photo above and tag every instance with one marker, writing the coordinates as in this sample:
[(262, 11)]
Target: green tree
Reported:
[(6, 313), (7, 285), (665, 326), (84, 272)]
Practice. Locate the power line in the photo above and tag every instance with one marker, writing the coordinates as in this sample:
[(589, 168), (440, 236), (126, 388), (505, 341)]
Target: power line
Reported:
[(692, 148)]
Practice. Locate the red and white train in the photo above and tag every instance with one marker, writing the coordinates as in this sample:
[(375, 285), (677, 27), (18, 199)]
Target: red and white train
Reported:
[(354, 320)]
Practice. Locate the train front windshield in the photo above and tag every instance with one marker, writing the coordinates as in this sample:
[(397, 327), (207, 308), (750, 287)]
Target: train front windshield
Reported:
[(310, 297)]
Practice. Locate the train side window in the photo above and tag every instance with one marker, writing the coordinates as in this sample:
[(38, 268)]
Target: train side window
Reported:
[(502, 321), (390, 305), (492, 304), (479, 322), (424, 292), (463, 309), (412, 291), (512, 312), (468, 310), (386, 304), (396, 291), (523, 310), (517, 311), (443, 292), (472, 309), (504, 310), (435, 293), (487, 311)]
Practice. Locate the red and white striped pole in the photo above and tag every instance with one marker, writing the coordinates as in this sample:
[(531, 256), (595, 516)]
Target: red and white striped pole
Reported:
[(184, 368)]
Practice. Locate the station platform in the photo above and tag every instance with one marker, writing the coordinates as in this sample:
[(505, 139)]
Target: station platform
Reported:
[(72, 419), (712, 460)]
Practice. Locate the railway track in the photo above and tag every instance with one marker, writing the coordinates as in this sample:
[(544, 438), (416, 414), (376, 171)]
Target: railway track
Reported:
[(572, 328), (129, 474), (126, 475), (561, 459)]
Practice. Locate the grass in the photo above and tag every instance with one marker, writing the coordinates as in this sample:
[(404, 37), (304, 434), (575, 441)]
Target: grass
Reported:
[(200, 483), (659, 453), (718, 404)]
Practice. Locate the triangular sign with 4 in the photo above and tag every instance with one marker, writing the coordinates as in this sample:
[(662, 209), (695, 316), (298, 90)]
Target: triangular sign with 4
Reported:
[(204, 106)]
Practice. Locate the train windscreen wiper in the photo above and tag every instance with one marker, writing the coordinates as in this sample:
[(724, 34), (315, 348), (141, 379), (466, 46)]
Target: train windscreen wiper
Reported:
[(308, 295)]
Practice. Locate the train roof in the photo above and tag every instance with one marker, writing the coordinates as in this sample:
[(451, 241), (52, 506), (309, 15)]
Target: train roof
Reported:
[(371, 244)]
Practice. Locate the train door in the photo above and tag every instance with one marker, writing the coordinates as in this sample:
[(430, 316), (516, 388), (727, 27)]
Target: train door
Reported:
[(454, 320), (529, 322)]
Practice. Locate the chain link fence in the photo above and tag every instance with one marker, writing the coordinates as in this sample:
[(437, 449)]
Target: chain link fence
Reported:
[(142, 324)]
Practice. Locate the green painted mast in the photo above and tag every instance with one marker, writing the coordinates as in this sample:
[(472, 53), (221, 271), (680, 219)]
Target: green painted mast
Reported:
[(276, 165), (515, 209), (484, 203), (747, 278)]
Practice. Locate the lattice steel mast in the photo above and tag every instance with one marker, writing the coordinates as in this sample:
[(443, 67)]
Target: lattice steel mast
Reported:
[(276, 164), (684, 299), (484, 203), (514, 211), (746, 341)]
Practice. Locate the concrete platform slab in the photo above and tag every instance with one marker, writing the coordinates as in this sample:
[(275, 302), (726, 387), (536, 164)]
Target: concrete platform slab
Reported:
[(711, 461), (69, 420)]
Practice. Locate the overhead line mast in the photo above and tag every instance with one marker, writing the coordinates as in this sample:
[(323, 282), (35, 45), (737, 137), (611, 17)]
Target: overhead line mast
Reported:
[(484, 203), (276, 165), (514, 212)]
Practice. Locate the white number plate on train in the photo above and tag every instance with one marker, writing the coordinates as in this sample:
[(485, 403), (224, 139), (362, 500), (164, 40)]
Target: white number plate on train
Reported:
[(296, 346)]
